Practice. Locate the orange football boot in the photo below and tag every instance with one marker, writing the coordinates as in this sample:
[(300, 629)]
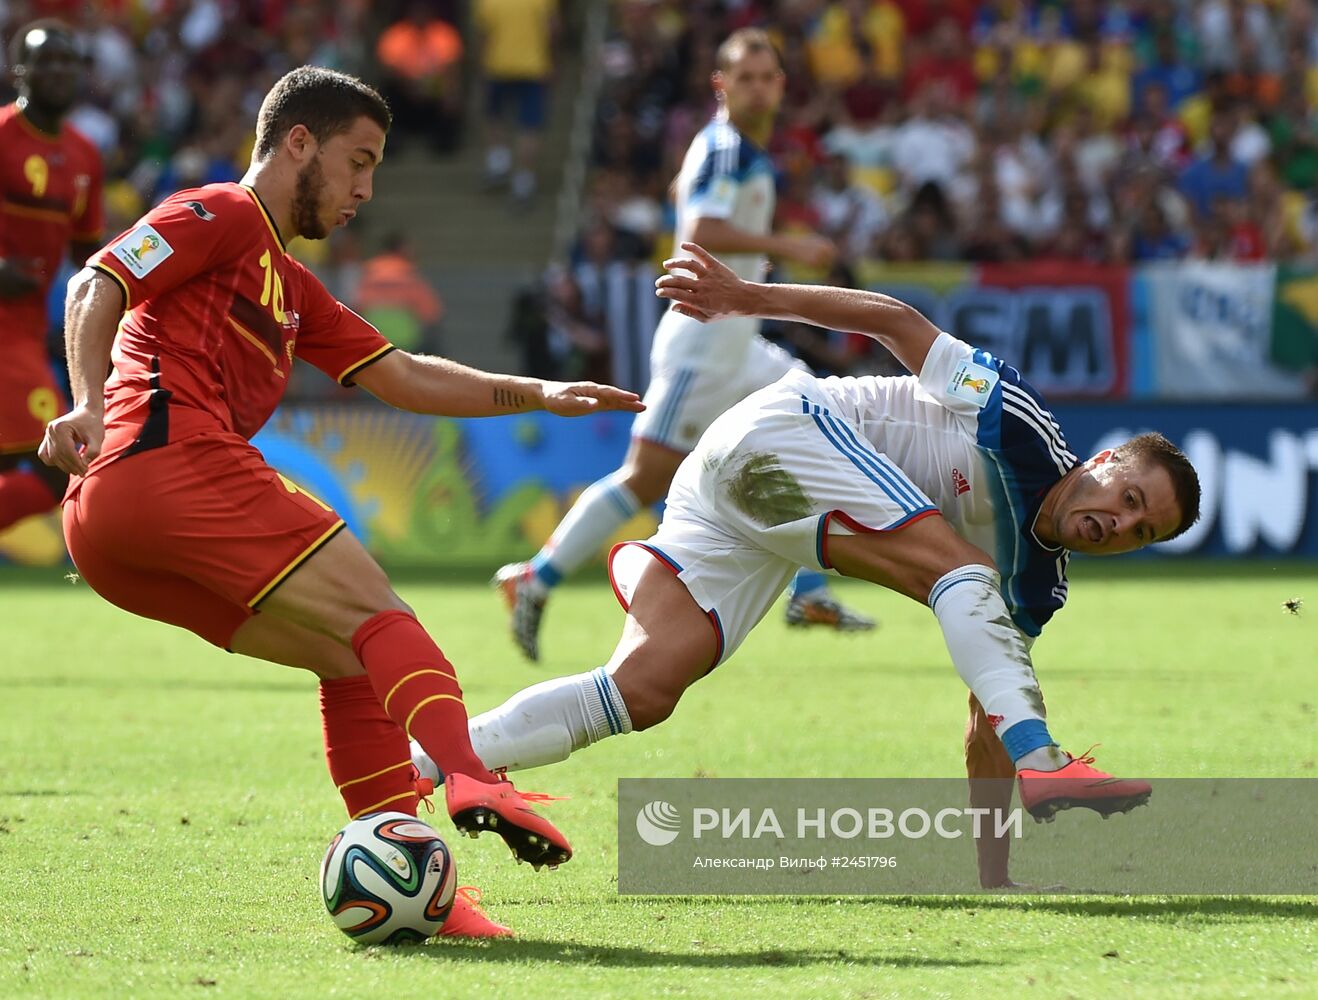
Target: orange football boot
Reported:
[(1045, 793), (477, 805), (468, 920)]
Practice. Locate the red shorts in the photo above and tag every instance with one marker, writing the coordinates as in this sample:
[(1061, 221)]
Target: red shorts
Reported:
[(196, 533), (29, 399)]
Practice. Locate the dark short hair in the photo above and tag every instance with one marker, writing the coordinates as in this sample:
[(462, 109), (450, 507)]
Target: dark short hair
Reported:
[(1152, 447), (744, 42), (18, 53), (325, 101)]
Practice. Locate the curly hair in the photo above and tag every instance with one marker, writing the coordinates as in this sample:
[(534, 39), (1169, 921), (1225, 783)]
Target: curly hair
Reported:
[(325, 101)]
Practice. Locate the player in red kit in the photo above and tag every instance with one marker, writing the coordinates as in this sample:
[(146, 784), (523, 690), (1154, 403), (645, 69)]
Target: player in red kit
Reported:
[(173, 514), (50, 204)]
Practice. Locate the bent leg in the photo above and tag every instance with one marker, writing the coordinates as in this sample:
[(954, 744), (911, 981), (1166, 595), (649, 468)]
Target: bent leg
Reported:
[(667, 644), (366, 751), (265, 637), (341, 592), (212, 510)]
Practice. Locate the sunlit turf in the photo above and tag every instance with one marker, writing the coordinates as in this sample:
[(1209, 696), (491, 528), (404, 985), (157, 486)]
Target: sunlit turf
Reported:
[(164, 806)]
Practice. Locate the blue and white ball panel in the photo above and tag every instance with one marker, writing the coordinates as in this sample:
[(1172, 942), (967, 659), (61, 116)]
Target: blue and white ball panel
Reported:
[(388, 878)]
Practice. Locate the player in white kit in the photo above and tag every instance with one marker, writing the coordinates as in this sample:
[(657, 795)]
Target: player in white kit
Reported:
[(725, 201), (953, 486)]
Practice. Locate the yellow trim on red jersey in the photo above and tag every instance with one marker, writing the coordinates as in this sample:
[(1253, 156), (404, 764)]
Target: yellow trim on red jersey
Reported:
[(20, 449), (307, 553), (28, 212), (354, 368), (106, 269), (274, 230), (33, 131), (253, 339)]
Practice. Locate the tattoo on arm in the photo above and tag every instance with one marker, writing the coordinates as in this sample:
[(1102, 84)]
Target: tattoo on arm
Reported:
[(508, 398)]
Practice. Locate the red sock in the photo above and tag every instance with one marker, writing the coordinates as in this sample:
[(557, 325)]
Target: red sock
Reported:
[(368, 755), (419, 689), (22, 494)]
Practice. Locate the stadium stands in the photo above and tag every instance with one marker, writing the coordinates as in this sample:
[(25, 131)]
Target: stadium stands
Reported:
[(1103, 132)]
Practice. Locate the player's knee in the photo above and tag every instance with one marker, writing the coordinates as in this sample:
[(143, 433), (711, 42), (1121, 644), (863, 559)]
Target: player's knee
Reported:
[(650, 699), (648, 708)]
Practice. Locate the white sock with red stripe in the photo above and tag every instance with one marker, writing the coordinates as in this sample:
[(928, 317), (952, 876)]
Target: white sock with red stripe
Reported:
[(543, 724), (599, 512)]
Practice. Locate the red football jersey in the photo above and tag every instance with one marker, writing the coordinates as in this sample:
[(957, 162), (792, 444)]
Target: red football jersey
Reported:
[(216, 312), (50, 194)]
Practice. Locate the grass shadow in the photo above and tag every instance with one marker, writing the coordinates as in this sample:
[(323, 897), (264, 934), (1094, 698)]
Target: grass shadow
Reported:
[(520, 951), (1213, 908)]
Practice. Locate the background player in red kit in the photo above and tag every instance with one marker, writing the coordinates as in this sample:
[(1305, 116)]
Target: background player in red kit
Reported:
[(50, 203), (175, 516)]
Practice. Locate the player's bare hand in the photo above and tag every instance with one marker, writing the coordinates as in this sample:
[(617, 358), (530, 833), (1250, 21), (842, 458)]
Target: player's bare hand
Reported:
[(19, 276), (73, 441), (810, 249), (702, 286), (574, 399)]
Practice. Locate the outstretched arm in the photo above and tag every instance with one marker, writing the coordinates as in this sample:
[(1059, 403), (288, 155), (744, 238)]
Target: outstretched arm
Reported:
[(424, 384), (703, 288)]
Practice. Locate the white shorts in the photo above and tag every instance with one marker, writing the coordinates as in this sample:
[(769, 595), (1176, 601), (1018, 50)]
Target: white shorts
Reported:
[(682, 401), (769, 482)]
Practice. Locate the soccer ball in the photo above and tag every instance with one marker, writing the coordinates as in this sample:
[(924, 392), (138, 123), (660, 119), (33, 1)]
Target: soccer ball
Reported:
[(388, 878)]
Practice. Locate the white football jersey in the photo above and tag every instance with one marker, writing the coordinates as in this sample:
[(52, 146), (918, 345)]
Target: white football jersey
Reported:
[(724, 176), (977, 440)]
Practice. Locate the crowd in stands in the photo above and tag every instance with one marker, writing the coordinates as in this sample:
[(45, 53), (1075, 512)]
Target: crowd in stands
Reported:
[(173, 86), (1000, 131), (946, 130)]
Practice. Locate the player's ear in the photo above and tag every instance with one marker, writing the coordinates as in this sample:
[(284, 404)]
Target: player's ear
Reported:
[(300, 142)]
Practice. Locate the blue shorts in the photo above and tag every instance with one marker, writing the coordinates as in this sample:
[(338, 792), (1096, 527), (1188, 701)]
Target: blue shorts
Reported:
[(528, 96)]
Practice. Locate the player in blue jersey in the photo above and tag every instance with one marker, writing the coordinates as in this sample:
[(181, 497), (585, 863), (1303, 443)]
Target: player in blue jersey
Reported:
[(725, 201), (953, 486)]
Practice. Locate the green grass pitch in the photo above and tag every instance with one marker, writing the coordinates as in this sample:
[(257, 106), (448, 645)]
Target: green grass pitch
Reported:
[(164, 806)]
